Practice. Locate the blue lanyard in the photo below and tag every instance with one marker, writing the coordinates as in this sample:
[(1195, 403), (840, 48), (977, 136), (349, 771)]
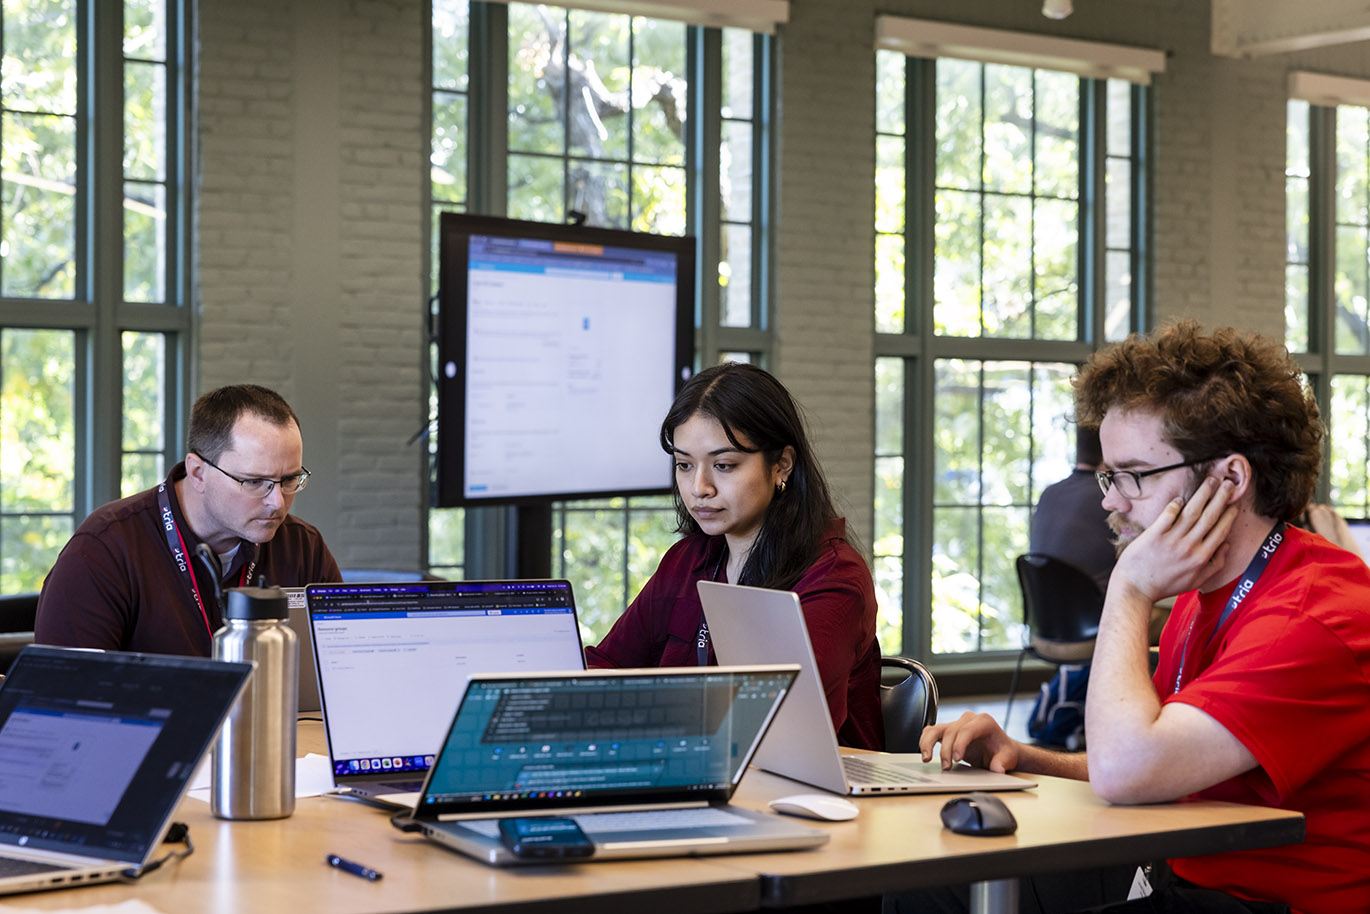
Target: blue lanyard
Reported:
[(1243, 589)]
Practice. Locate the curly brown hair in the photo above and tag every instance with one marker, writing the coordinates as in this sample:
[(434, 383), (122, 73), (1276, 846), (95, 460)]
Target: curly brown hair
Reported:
[(1220, 393)]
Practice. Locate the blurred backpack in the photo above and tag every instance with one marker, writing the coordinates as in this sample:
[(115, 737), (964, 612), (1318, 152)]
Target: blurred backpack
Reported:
[(1058, 714)]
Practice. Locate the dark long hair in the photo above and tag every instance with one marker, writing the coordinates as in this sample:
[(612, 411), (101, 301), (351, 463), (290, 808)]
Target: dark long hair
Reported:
[(749, 403)]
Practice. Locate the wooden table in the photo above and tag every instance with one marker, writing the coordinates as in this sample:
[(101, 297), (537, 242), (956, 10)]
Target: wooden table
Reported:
[(896, 843)]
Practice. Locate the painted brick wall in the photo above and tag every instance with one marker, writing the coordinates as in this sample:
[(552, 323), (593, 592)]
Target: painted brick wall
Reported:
[(311, 232), (244, 194), (825, 266)]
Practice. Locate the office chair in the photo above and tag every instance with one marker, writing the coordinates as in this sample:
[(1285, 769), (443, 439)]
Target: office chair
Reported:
[(1061, 609), (908, 702), (17, 614)]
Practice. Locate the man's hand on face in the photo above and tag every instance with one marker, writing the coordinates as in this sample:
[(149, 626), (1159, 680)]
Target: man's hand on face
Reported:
[(1184, 547)]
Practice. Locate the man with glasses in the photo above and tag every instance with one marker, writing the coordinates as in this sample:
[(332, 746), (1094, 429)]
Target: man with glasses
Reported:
[(130, 579), (1212, 445)]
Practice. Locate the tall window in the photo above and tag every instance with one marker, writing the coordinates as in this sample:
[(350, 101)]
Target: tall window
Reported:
[(1327, 284), (636, 123), (449, 156), (91, 265), (1007, 249)]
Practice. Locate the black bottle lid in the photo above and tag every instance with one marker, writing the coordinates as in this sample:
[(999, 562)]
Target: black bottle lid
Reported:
[(257, 604)]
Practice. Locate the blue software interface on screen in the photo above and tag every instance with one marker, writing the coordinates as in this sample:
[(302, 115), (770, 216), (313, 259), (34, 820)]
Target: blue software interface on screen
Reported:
[(565, 347), (592, 736), (393, 659)]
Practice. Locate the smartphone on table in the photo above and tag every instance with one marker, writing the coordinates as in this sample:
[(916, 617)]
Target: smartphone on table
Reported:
[(545, 837)]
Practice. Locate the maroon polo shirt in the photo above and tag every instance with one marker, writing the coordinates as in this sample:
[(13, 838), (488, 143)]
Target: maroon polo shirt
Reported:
[(661, 626), (117, 586)]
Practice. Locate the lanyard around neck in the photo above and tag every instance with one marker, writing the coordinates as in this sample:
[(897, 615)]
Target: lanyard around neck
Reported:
[(702, 642), (1248, 580), (177, 544)]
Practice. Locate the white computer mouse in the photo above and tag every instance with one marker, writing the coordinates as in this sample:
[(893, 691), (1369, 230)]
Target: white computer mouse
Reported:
[(816, 806)]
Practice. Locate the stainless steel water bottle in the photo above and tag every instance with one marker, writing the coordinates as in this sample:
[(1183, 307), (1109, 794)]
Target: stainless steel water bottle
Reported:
[(252, 771)]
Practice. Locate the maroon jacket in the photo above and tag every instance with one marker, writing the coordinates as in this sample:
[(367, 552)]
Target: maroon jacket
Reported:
[(661, 627), (116, 585)]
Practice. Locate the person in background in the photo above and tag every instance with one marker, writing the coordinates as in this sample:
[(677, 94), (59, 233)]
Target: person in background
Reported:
[(129, 578), (1262, 691), (1068, 522), (755, 509), (1331, 526)]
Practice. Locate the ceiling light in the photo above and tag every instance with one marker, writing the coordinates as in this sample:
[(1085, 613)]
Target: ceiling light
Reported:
[(1056, 9)]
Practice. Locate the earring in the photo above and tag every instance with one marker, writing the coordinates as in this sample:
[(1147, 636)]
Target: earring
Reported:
[(780, 487)]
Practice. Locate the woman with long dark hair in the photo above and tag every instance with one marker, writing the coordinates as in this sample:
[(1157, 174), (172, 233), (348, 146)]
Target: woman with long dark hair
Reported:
[(755, 509)]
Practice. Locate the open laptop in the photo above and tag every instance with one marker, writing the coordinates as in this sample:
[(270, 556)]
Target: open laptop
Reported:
[(643, 760), (299, 624), (393, 659), (755, 625), (96, 750)]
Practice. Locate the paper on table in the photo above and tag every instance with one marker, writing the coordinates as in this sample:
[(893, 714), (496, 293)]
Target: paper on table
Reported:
[(312, 778)]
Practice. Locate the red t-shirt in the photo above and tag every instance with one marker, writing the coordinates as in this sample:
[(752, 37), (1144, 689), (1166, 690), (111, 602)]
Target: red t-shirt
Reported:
[(661, 627), (1289, 676)]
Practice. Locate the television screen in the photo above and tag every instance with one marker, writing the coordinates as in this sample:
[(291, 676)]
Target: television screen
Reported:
[(560, 350)]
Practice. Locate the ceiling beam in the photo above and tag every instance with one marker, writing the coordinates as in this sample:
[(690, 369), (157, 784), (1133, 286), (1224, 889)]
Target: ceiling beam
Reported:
[(1256, 28)]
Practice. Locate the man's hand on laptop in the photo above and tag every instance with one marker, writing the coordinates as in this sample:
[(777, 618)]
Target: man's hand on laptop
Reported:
[(976, 739)]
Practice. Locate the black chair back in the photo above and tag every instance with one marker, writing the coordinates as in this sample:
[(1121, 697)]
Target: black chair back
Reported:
[(1061, 603), (908, 702), (17, 614), (18, 611)]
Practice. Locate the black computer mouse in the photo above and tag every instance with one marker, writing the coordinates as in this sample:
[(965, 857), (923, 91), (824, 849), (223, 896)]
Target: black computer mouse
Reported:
[(978, 814)]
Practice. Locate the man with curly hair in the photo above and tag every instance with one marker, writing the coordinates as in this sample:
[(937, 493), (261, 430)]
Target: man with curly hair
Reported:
[(1212, 444)]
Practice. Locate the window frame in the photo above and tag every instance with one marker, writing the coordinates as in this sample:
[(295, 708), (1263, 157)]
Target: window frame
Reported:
[(920, 348), (1321, 363), (98, 314)]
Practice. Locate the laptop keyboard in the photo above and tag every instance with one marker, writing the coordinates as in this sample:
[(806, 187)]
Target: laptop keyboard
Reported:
[(402, 786), (644, 820), (866, 771), (660, 819), (13, 866)]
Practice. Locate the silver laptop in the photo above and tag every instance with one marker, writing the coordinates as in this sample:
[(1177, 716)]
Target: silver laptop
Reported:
[(393, 660), (299, 624), (96, 750), (643, 760), (755, 625)]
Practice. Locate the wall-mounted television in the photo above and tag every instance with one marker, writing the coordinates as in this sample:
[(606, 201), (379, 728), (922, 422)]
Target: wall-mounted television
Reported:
[(560, 350)]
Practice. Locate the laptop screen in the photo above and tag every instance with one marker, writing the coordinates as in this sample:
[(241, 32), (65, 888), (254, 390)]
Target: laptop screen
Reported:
[(96, 748), (608, 736), (393, 659)]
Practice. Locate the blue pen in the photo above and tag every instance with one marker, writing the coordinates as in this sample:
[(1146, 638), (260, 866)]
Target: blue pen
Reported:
[(356, 869)]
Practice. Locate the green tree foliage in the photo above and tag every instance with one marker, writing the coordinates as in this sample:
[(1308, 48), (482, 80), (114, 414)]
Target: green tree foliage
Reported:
[(38, 157), (597, 107), (37, 443), (144, 422)]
